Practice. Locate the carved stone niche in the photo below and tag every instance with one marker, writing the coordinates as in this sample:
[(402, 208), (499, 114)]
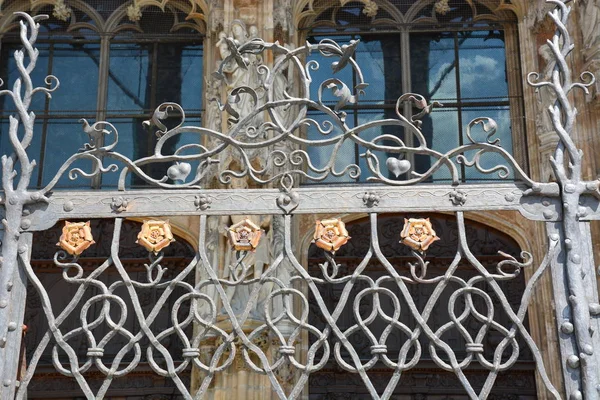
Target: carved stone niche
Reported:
[(248, 11)]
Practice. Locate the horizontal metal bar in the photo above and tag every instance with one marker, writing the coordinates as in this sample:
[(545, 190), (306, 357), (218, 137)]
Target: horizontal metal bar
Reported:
[(310, 200)]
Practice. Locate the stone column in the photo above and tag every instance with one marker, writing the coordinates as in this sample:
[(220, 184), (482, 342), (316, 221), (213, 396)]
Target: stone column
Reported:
[(241, 20)]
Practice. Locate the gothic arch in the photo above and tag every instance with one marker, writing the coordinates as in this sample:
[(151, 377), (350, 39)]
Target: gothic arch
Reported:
[(306, 11), (195, 11), (493, 221)]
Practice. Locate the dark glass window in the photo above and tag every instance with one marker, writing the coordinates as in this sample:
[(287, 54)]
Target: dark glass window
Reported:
[(142, 71), (461, 64)]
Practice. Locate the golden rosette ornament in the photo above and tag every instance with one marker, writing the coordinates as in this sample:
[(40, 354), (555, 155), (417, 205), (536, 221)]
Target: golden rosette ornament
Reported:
[(330, 234), (155, 235), (418, 234), (245, 235), (76, 237)]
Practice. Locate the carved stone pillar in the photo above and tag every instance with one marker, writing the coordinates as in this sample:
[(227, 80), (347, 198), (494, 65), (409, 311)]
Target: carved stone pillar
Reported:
[(239, 21), (589, 11)]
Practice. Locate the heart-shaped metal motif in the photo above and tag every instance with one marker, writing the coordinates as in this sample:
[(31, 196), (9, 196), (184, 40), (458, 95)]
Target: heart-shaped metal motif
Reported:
[(179, 171), (397, 167)]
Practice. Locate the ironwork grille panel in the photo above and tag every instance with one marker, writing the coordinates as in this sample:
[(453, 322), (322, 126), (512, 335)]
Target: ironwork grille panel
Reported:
[(244, 298)]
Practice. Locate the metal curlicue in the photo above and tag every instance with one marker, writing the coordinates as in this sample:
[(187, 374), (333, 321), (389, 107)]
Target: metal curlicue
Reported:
[(277, 295)]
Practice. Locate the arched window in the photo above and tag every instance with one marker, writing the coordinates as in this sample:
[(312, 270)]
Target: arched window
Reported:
[(459, 53), (114, 63)]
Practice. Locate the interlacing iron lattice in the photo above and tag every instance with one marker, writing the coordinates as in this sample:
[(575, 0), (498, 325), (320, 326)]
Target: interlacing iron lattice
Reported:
[(266, 145)]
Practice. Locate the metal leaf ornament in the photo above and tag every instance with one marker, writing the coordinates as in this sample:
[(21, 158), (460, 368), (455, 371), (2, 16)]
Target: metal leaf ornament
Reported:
[(330, 234)]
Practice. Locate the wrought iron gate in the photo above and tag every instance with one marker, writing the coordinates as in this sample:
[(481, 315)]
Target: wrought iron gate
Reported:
[(275, 289)]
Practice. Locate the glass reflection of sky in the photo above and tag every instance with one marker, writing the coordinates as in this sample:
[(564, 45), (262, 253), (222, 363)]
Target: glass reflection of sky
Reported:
[(320, 155), (76, 65), (478, 89), (128, 77)]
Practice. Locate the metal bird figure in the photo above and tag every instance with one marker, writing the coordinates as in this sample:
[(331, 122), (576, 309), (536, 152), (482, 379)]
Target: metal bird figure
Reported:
[(347, 53)]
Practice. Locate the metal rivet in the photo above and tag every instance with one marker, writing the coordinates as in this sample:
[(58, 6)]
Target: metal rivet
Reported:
[(509, 197), (567, 328), (576, 258), (12, 326), (588, 349), (7, 382), (3, 303), (573, 361), (25, 224), (548, 214), (576, 395), (68, 206)]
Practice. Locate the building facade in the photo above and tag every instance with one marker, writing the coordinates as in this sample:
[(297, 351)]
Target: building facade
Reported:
[(120, 60)]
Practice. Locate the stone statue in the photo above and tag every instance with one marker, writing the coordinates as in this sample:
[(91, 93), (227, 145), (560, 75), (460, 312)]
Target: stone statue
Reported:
[(590, 29), (243, 104), (590, 23), (258, 261), (237, 76), (202, 275), (283, 83), (546, 96), (212, 95)]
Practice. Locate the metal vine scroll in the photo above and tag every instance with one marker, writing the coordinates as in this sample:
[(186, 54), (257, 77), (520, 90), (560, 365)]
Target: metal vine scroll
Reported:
[(252, 305)]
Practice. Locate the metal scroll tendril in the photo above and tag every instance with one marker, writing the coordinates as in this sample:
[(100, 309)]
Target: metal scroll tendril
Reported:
[(287, 154)]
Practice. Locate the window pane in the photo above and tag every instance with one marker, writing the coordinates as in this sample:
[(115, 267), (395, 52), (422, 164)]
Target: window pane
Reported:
[(379, 59), (64, 138), (128, 80), (364, 117), (482, 65), (9, 74), (433, 65), (441, 132), (191, 78), (125, 147), (489, 160), (76, 66), (321, 155), (325, 71)]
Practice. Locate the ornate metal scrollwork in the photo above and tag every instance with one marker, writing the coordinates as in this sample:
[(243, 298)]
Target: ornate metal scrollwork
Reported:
[(273, 294), (267, 126)]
